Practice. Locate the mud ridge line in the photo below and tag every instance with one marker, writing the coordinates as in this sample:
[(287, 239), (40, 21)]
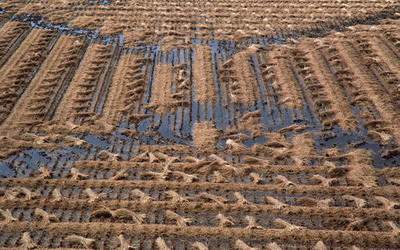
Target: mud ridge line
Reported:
[(253, 167), (294, 209)]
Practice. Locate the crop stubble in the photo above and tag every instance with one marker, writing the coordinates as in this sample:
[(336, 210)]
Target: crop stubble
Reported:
[(171, 129)]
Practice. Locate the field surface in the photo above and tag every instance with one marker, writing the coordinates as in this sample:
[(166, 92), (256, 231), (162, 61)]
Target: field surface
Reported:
[(169, 124)]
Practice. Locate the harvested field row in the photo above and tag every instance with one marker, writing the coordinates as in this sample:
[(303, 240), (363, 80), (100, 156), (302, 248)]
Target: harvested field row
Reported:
[(239, 78), (46, 89), (70, 237), (16, 74), (366, 84), (11, 34), (205, 136), (171, 88), (254, 165), (188, 172), (188, 218), (203, 75), (276, 73), (81, 98), (306, 206), (254, 191), (126, 91)]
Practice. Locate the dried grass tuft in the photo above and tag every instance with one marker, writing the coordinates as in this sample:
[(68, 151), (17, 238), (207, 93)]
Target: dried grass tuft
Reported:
[(120, 214), (20, 193), (360, 203), (223, 221), (241, 245), (320, 246), (44, 216), (81, 241), (7, 216), (124, 244), (161, 244), (286, 225), (175, 197), (93, 196), (275, 202), (283, 181), (273, 246), (180, 220), (27, 242), (199, 246), (56, 195), (143, 197), (252, 223), (387, 204), (76, 175)]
